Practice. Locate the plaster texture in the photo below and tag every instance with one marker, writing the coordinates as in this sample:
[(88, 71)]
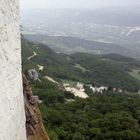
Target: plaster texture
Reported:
[(12, 112)]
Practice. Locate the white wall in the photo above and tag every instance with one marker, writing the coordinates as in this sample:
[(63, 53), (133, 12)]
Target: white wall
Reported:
[(12, 115)]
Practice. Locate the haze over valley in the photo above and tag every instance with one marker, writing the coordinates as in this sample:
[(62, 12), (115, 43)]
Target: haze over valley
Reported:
[(115, 25)]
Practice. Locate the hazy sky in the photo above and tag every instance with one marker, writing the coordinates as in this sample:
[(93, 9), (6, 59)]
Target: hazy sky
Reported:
[(26, 4)]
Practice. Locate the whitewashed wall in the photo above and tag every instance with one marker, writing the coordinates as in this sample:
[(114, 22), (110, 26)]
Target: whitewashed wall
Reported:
[(12, 114)]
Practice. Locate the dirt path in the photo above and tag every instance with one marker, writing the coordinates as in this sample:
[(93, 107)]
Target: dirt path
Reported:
[(32, 56)]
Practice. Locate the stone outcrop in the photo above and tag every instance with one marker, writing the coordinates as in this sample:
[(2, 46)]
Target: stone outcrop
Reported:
[(12, 113), (34, 125), (33, 74)]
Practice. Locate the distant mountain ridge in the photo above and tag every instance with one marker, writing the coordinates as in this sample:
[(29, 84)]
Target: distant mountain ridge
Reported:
[(115, 15), (116, 25), (72, 44)]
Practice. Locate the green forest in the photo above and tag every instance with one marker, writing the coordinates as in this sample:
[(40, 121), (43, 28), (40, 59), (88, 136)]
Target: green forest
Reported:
[(106, 116)]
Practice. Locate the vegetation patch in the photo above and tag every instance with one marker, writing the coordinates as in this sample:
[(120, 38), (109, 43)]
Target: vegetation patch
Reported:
[(80, 67), (135, 74)]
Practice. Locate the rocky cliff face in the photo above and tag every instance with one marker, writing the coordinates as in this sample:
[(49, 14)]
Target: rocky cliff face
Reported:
[(12, 115), (34, 125)]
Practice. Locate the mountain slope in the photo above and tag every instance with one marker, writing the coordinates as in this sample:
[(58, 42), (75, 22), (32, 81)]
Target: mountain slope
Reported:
[(124, 62), (81, 67)]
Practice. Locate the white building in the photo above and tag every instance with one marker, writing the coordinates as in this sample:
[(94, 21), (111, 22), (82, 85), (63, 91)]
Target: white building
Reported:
[(98, 89)]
